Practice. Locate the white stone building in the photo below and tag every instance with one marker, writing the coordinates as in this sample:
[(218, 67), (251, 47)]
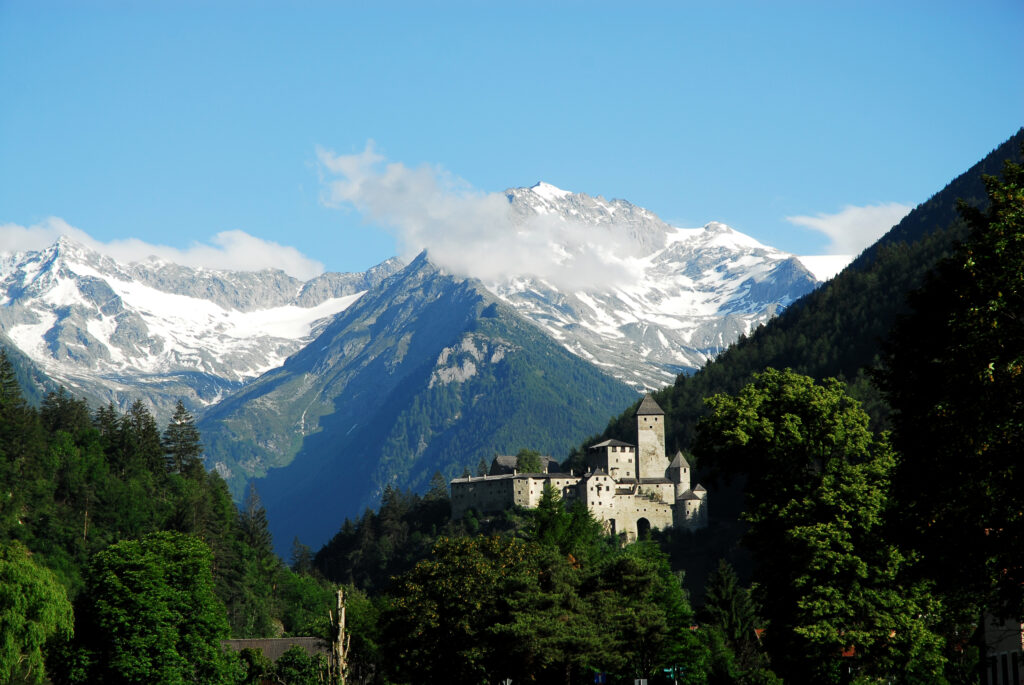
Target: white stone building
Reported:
[(632, 488)]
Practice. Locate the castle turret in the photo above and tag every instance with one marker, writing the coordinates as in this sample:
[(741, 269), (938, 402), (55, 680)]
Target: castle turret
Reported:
[(650, 440), (679, 474)]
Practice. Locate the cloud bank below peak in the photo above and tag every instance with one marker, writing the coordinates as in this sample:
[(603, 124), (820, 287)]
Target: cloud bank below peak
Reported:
[(227, 250), (469, 232)]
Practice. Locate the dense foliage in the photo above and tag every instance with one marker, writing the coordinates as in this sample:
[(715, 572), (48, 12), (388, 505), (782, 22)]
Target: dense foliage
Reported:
[(954, 373), (77, 485), (817, 495), (149, 614), (33, 608)]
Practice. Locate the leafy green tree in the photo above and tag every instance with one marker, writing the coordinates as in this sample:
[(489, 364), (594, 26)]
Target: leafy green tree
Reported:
[(816, 498), (60, 411), (954, 374), (255, 667), (438, 624), (182, 443), (150, 615), (528, 461), (33, 607), (296, 667)]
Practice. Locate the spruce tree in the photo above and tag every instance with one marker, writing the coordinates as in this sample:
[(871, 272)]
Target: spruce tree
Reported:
[(182, 444)]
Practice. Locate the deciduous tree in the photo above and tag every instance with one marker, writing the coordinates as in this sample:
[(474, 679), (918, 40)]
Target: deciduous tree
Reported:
[(33, 607), (816, 497), (150, 615), (954, 374)]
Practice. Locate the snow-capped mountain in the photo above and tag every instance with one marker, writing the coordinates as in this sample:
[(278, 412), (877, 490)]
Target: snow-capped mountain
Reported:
[(157, 330), (689, 292)]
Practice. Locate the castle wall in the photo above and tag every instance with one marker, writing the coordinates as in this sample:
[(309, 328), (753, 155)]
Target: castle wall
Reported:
[(494, 494), (486, 494), (627, 511)]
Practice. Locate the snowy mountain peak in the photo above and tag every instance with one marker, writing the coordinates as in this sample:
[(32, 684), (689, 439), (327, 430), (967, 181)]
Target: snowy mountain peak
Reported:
[(115, 331), (642, 228), (548, 191)]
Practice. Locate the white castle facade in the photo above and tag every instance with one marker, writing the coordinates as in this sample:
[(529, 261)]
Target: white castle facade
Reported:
[(632, 488)]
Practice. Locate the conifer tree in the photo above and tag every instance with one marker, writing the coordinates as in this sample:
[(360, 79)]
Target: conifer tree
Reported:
[(140, 441), (252, 520), (182, 444)]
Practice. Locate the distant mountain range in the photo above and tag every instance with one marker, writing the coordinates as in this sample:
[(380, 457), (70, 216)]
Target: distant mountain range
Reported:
[(331, 389), (114, 332)]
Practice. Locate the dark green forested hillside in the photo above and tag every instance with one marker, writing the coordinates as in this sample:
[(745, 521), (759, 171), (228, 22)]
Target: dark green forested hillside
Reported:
[(837, 329)]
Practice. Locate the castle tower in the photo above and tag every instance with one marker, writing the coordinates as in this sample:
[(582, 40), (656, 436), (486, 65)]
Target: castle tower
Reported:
[(679, 474), (650, 440)]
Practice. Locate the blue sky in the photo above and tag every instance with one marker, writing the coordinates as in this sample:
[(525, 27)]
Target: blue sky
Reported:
[(144, 124)]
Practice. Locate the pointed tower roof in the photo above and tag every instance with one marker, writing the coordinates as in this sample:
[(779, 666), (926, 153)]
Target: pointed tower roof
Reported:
[(679, 462), (649, 407)]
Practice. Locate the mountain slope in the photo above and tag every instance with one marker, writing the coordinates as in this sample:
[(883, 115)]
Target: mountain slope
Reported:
[(426, 372), (112, 331), (680, 295)]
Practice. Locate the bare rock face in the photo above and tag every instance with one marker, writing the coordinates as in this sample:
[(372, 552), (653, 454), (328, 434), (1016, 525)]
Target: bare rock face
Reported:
[(160, 331)]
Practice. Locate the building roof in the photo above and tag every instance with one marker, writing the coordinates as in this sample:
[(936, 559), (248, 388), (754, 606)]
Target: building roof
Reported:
[(274, 647), (611, 443), (688, 495), (700, 488), (655, 481), (506, 463), (649, 407), (679, 462)]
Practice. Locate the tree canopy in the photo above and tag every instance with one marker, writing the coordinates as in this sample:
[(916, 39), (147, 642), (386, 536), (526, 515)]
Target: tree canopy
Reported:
[(817, 489), (954, 374), (33, 608)]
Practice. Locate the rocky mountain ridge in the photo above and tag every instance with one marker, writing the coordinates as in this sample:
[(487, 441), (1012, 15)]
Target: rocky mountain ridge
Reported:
[(690, 292), (114, 332)]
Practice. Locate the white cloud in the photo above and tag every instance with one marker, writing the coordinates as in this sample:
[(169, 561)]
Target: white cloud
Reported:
[(230, 250), (854, 228), (469, 232)]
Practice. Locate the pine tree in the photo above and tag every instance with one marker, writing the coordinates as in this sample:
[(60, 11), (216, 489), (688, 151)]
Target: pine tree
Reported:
[(140, 441), (252, 519), (182, 444)]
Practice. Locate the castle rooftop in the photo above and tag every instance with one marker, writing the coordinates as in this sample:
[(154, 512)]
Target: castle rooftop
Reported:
[(649, 407)]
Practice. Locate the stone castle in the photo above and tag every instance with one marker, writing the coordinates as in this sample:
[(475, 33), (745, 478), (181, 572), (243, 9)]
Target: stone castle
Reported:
[(632, 488)]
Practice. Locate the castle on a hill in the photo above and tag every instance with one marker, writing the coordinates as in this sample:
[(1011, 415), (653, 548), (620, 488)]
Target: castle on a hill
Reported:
[(632, 488)]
